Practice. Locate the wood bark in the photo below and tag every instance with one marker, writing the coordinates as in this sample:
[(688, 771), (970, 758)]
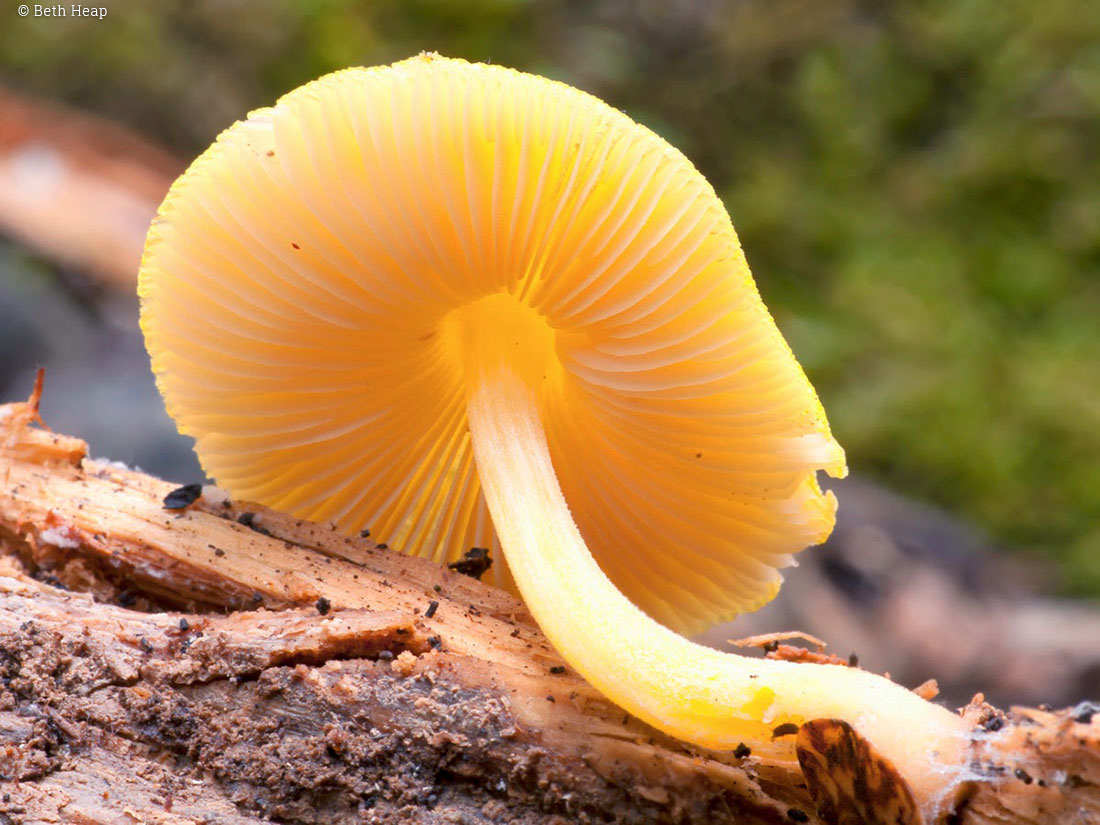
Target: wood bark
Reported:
[(228, 663)]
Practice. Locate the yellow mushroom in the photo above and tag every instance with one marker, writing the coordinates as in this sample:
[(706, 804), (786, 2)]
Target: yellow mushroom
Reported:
[(469, 306)]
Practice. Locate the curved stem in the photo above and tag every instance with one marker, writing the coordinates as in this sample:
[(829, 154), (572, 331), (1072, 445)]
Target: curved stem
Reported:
[(695, 693)]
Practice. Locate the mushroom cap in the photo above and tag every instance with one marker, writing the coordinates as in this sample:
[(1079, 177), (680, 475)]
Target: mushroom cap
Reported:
[(299, 278)]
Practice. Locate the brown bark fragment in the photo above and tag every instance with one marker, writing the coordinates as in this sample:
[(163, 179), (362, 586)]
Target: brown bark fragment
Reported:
[(851, 783), (928, 690)]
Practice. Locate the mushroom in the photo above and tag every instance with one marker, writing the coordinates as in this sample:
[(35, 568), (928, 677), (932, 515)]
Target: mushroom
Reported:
[(465, 305)]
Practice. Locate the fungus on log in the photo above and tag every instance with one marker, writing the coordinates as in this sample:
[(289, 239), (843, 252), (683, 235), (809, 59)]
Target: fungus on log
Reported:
[(469, 306)]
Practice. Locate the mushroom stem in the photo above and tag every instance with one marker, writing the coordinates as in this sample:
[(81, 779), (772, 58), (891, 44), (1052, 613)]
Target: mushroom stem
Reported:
[(704, 696)]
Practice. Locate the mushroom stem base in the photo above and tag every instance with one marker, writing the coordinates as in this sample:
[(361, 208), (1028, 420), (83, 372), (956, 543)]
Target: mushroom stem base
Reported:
[(704, 696)]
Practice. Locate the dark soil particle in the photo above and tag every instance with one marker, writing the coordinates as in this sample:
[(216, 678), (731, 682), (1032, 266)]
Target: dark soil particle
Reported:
[(1083, 713), (248, 519), (474, 563), (182, 497)]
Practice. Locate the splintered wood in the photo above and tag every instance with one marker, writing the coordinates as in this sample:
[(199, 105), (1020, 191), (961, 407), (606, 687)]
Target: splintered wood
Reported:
[(222, 662)]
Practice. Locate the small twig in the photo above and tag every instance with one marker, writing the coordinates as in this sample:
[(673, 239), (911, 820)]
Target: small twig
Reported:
[(769, 640)]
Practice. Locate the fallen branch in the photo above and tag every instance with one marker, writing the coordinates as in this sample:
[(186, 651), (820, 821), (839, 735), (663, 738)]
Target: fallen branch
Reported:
[(80, 189), (275, 669)]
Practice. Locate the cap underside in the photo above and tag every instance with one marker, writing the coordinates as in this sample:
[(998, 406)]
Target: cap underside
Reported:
[(298, 276)]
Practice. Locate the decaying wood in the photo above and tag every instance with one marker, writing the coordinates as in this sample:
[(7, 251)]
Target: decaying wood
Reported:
[(160, 666)]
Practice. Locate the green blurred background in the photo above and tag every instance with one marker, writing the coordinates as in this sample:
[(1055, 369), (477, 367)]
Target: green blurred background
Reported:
[(917, 187)]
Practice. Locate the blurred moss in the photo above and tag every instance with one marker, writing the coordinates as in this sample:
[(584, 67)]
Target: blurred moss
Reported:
[(933, 234), (917, 186)]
